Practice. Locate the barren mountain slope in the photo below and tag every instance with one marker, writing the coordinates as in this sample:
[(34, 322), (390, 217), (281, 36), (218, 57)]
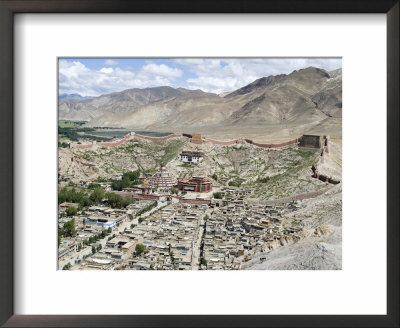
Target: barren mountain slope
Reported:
[(305, 97), (176, 112), (127, 100), (300, 96)]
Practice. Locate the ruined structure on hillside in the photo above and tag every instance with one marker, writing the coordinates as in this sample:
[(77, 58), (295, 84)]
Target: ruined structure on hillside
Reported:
[(310, 141), (196, 139)]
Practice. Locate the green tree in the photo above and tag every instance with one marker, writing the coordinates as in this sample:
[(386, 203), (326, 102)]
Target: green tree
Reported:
[(126, 201), (113, 200), (93, 249), (116, 185), (70, 195), (263, 180), (125, 182), (69, 228), (139, 249), (218, 195), (206, 217), (97, 195), (132, 176), (67, 266), (93, 186), (71, 211), (85, 201), (203, 261)]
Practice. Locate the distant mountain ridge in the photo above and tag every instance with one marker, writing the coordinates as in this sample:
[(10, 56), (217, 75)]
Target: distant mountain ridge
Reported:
[(74, 97), (116, 102), (306, 96)]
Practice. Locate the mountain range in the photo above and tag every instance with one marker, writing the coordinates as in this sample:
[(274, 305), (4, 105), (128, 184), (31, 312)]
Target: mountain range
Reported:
[(306, 96)]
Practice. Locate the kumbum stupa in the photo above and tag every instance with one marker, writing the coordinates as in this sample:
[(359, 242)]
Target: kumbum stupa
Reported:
[(162, 179)]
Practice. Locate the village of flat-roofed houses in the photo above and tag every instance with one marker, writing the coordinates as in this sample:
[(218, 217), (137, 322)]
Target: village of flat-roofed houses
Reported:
[(188, 202)]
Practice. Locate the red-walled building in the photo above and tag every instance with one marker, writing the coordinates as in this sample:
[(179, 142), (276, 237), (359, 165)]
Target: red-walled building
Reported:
[(195, 184)]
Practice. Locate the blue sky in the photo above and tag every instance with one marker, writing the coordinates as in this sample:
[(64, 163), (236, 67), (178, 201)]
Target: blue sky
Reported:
[(97, 76)]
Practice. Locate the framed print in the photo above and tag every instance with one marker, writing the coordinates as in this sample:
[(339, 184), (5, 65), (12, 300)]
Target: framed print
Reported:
[(215, 164)]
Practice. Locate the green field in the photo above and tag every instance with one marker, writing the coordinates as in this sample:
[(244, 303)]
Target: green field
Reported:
[(70, 124)]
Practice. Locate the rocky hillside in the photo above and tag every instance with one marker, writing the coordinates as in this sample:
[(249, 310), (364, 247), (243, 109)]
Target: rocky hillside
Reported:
[(287, 170), (307, 96)]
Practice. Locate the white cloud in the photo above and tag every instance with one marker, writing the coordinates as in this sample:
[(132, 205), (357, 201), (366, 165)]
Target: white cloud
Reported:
[(160, 70), (221, 75), (75, 77), (107, 70), (110, 62)]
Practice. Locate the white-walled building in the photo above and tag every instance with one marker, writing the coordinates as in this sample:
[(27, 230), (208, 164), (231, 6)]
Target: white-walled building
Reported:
[(191, 156)]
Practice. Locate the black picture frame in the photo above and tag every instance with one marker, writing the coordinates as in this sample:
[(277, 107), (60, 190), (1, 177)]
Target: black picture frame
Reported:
[(8, 200)]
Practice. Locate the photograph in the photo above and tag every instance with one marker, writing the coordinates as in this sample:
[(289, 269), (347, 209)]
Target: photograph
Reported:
[(200, 145), (199, 163)]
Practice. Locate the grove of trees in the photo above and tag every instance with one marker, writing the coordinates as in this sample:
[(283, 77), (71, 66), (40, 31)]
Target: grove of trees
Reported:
[(128, 179), (97, 196), (116, 201)]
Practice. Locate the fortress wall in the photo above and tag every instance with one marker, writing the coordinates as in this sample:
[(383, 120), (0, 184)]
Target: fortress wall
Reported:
[(222, 143), (195, 201), (123, 140), (115, 143), (285, 144), (155, 197), (196, 141), (82, 146), (307, 195), (321, 160), (280, 145), (173, 135), (133, 195), (104, 144)]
